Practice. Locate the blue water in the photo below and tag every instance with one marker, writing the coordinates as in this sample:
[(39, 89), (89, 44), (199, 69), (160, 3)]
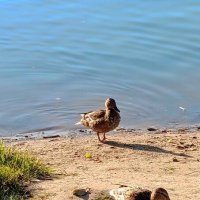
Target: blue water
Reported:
[(60, 58)]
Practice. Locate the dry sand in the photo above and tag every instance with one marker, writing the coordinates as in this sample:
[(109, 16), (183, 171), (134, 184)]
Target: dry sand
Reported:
[(145, 159)]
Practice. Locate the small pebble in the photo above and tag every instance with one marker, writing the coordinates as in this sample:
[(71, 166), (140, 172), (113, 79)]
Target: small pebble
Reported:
[(80, 192), (152, 129), (180, 147), (175, 160), (51, 136)]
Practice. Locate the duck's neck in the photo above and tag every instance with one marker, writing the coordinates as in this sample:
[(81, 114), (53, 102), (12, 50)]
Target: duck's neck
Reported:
[(109, 112)]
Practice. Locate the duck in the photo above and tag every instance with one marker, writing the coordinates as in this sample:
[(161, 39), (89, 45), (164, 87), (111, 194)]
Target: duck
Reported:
[(102, 121), (160, 194), (128, 193)]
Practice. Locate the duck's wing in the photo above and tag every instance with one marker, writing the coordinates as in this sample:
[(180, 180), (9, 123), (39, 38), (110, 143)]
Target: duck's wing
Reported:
[(83, 114), (91, 117), (94, 115)]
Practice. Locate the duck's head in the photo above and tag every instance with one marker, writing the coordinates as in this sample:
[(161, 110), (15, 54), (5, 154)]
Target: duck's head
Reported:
[(111, 104), (160, 194)]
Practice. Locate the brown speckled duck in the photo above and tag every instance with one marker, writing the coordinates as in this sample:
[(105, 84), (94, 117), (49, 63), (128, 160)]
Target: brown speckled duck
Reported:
[(157, 194), (139, 194), (102, 121), (160, 194)]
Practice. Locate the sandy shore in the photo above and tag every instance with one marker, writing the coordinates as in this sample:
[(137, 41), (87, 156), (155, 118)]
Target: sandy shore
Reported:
[(169, 159)]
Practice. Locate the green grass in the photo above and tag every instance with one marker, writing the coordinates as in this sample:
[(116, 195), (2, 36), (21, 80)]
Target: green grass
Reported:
[(16, 171)]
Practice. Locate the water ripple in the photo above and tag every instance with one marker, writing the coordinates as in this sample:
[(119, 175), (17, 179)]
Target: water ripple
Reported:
[(59, 59)]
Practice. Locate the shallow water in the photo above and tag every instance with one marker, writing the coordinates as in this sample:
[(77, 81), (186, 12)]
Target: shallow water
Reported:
[(61, 58)]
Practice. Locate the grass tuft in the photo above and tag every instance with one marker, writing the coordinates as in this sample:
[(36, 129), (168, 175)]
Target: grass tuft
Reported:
[(16, 171)]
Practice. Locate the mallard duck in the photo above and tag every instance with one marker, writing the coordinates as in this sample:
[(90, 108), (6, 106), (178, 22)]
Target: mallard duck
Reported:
[(102, 121), (129, 193), (160, 194)]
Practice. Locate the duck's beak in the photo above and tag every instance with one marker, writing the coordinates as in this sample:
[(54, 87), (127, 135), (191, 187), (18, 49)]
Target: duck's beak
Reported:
[(116, 109)]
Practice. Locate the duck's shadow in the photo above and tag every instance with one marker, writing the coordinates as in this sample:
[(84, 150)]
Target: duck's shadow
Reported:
[(143, 147), (86, 197)]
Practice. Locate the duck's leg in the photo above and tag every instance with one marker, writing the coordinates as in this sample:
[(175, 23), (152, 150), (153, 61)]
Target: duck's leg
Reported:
[(99, 138), (104, 136)]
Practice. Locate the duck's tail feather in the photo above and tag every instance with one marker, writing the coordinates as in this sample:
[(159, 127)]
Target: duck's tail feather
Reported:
[(78, 123)]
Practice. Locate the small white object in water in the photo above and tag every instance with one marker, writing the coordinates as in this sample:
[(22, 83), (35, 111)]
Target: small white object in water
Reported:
[(58, 98), (183, 109)]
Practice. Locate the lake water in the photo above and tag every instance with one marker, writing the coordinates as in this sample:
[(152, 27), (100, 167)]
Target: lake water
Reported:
[(61, 58)]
